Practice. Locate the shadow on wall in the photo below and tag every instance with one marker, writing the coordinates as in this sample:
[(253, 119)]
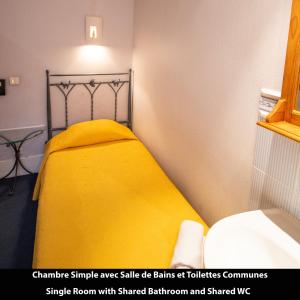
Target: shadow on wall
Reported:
[(276, 173)]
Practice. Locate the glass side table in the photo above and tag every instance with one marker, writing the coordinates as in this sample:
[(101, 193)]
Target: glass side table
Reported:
[(16, 147)]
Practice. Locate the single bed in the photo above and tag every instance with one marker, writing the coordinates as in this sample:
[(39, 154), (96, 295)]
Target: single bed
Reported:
[(104, 202)]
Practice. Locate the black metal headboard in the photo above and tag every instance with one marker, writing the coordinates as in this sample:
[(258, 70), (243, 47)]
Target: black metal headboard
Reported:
[(92, 86)]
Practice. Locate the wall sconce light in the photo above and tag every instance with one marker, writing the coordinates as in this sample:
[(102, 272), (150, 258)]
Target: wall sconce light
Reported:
[(93, 29)]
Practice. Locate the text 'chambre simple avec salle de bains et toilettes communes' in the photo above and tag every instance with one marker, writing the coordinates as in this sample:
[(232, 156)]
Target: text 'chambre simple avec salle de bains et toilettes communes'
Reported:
[(88, 275)]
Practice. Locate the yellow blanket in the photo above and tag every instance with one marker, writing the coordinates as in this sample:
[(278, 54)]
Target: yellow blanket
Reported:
[(105, 203)]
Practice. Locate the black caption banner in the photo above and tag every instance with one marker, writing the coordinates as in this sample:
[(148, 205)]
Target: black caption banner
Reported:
[(112, 283)]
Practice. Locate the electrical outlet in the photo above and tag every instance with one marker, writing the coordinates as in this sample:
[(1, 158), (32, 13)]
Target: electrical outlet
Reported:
[(2, 87), (14, 80)]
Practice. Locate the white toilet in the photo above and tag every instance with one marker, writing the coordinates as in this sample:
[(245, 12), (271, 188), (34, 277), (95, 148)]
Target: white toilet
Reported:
[(255, 239)]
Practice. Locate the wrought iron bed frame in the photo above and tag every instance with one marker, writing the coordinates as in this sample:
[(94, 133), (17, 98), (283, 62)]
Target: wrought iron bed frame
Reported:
[(92, 86)]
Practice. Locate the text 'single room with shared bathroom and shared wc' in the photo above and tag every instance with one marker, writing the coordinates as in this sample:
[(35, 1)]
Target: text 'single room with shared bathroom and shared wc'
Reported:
[(149, 135)]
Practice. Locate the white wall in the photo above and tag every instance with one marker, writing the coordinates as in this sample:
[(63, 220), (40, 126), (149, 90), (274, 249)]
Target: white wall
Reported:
[(199, 67), (40, 34)]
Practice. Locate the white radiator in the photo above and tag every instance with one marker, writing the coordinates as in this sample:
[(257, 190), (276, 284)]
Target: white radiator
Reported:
[(276, 166)]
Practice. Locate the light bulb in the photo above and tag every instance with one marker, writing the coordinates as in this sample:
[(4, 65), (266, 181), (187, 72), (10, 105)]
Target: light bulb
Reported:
[(93, 32)]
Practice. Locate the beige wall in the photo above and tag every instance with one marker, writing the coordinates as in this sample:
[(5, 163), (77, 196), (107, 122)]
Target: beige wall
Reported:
[(199, 67), (40, 34)]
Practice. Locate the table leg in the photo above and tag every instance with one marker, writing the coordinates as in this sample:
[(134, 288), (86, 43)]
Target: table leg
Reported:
[(24, 168), (18, 150), (17, 157), (16, 146), (12, 186), (13, 167)]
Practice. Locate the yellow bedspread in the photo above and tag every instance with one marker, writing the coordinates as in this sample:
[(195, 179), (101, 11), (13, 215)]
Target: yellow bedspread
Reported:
[(105, 203)]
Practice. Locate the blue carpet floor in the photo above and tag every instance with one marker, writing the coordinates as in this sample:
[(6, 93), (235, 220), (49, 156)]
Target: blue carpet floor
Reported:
[(17, 223)]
